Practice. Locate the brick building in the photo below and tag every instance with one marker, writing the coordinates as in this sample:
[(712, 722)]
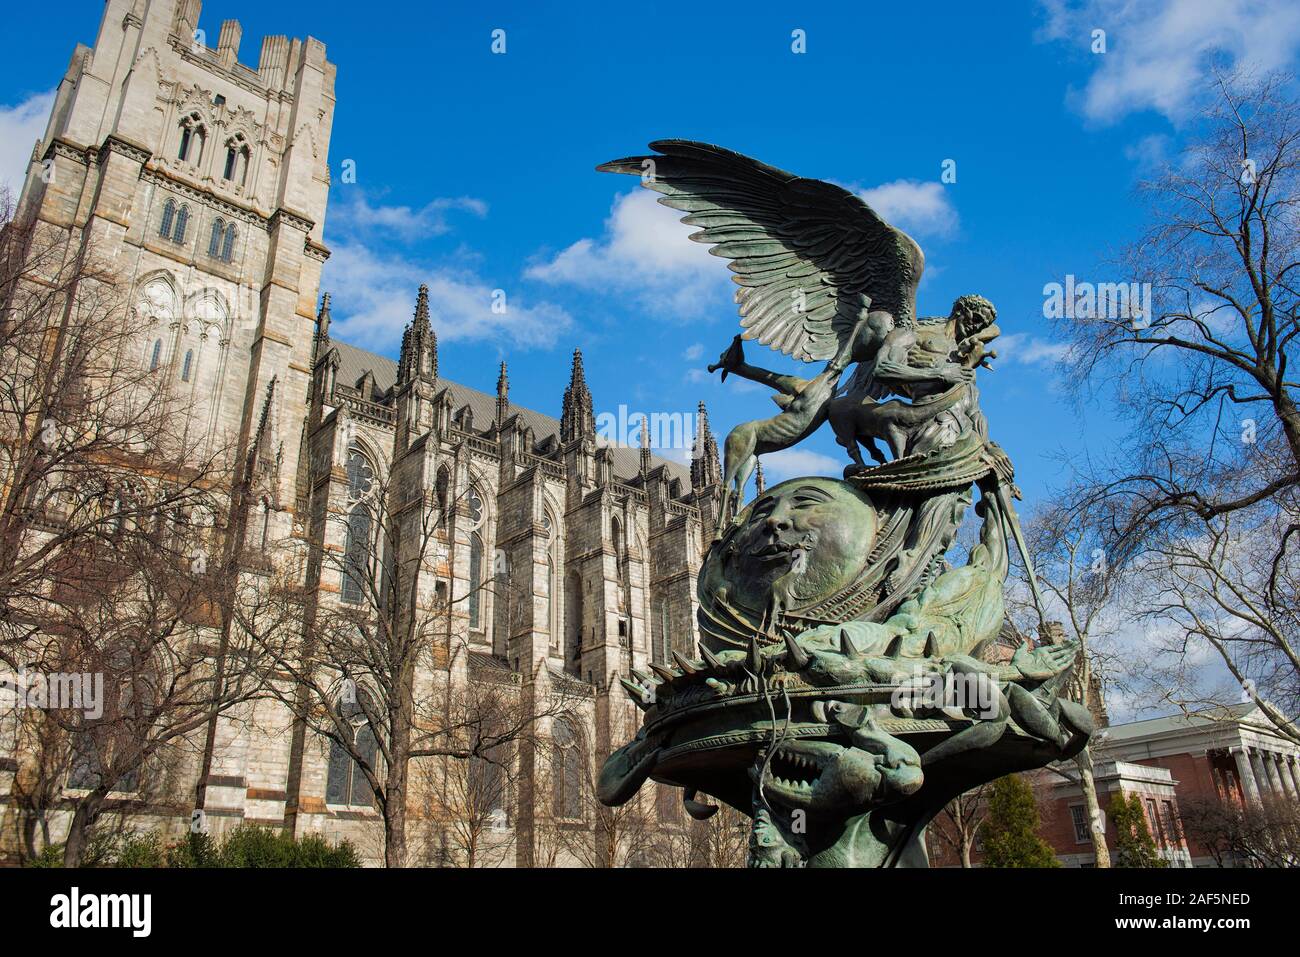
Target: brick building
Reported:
[(1229, 754)]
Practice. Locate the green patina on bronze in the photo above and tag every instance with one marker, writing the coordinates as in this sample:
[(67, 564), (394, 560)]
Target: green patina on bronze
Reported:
[(840, 696)]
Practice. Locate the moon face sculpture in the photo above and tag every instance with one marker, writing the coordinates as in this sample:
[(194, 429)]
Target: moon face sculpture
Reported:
[(796, 545)]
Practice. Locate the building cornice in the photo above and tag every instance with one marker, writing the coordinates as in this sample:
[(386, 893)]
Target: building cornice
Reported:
[(291, 218), (115, 143), (157, 175)]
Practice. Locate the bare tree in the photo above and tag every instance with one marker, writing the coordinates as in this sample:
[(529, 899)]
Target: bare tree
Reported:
[(1073, 574), (82, 419), (589, 833), (110, 507), (465, 808), (958, 824), (137, 645), (1264, 835), (375, 676), (469, 802), (1198, 506), (720, 841)]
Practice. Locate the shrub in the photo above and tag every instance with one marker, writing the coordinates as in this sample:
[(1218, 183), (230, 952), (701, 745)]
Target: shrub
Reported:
[(1134, 846), (1009, 830), (51, 855), (101, 851), (245, 846), (193, 850), (140, 850), (248, 846)]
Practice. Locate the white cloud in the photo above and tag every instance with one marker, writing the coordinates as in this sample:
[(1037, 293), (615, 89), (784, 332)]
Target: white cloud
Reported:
[(918, 208), (1157, 53), (21, 126), (355, 211), (693, 351), (374, 298), (1150, 152), (1019, 347), (680, 456), (791, 463), (646, 252)]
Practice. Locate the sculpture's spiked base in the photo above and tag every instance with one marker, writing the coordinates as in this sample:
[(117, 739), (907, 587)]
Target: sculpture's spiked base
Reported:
[(831, 776)]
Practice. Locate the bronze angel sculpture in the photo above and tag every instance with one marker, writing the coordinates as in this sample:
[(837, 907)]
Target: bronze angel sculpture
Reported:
[(838, 595)]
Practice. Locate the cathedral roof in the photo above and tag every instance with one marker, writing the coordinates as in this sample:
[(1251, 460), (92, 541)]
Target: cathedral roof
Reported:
[(355, 362)]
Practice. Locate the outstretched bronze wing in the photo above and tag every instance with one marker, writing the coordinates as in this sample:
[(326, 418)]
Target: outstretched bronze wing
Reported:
[(803, 250)]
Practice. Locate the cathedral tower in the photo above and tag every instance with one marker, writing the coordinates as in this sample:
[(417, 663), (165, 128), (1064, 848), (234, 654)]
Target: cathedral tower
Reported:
[(206, 180)]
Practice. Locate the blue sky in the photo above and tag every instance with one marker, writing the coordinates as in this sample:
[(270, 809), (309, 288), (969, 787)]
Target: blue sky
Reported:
[(474, 170)]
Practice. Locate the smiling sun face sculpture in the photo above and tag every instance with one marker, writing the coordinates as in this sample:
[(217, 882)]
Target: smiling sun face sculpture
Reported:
[(796, 545)]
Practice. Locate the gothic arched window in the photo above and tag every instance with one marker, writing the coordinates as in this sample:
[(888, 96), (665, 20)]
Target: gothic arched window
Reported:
[(99, 755), (156, 355), (474, 507), (193, 136), (442, 487), (88, 763), (573, 619), (358, 549), (218, 233), (168, 214), (475, 580), (361, 475), (488, 784), (566, 771), (356, 555), (186, 365), (221, 244), (236, 168), (182, 218), (551, 611), (619, 537), (346, 783)]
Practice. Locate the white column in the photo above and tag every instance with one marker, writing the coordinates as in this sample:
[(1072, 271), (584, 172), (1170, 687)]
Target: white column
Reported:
[(1289, 764), (1270, 768), (1249, 788), (1283, 774), (1266, 786)]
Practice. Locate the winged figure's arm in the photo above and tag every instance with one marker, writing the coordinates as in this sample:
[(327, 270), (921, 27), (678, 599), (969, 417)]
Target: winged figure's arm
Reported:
[(892, 364)]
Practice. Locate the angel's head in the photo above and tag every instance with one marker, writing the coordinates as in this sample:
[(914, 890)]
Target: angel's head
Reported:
[(972, 314)]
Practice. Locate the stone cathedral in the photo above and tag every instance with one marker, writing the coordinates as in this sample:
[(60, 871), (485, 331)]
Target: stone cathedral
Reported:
[(208, 180)]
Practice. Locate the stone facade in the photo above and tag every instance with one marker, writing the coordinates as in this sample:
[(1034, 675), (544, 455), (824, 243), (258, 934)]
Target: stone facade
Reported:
[(207, 181)]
